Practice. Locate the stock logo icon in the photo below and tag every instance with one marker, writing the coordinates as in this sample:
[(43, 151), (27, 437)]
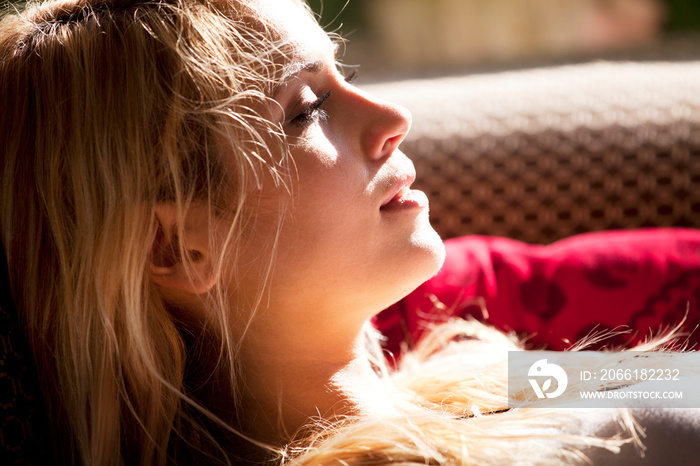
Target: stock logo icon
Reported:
[(552, 371)]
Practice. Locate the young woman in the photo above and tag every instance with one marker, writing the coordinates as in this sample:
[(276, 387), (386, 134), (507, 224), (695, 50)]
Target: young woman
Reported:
[(200, 214)]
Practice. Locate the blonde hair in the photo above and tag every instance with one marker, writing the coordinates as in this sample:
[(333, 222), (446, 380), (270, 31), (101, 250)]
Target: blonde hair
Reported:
[(111, 107)]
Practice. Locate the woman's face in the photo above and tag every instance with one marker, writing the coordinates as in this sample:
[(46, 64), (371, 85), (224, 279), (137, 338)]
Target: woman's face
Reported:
[(354, 236)]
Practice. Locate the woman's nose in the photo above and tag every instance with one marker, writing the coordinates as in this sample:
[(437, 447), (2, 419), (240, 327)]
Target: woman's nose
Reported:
[(385, 126)]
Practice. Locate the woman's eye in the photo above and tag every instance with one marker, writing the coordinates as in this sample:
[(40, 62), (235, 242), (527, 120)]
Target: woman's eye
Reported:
[(311, 112)]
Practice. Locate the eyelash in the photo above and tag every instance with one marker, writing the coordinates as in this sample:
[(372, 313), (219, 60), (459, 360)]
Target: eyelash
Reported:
[(351, 77), (313, 111)]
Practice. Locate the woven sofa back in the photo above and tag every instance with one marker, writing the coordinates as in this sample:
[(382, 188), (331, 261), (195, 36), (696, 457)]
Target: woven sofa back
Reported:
[(542, 154)]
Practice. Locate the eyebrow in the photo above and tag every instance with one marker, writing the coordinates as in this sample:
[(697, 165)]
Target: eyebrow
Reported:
[(294, 69), (297, 67)]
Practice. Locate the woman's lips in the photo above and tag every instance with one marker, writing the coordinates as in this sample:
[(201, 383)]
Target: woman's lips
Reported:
[(406, 198)]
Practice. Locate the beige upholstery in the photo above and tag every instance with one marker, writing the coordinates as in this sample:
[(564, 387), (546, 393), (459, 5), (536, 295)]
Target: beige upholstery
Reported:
[(539, 155)]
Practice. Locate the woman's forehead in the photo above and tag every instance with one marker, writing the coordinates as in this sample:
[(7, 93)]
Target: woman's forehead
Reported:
[(296, 27)]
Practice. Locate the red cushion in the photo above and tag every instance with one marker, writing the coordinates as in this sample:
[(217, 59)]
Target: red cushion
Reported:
[(556, 294)]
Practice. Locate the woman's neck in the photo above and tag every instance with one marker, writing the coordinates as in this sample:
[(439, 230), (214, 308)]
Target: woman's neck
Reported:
[(291, 379)]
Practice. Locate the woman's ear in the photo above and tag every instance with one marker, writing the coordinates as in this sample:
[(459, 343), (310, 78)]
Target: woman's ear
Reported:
[(182, 264)]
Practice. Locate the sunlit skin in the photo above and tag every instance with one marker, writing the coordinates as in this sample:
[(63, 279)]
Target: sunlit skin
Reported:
[(354, 240), (342, 257)]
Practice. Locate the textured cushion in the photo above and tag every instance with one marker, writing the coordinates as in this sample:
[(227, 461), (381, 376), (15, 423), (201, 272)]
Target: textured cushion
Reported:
[(556, 295), (539, 155)]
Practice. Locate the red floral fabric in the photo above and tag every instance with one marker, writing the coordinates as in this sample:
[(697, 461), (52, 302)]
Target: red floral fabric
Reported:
[(642, 280)]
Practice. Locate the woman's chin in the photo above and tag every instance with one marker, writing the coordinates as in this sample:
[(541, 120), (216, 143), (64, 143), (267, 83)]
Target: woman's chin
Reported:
[(426, 258), (426, 240)]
